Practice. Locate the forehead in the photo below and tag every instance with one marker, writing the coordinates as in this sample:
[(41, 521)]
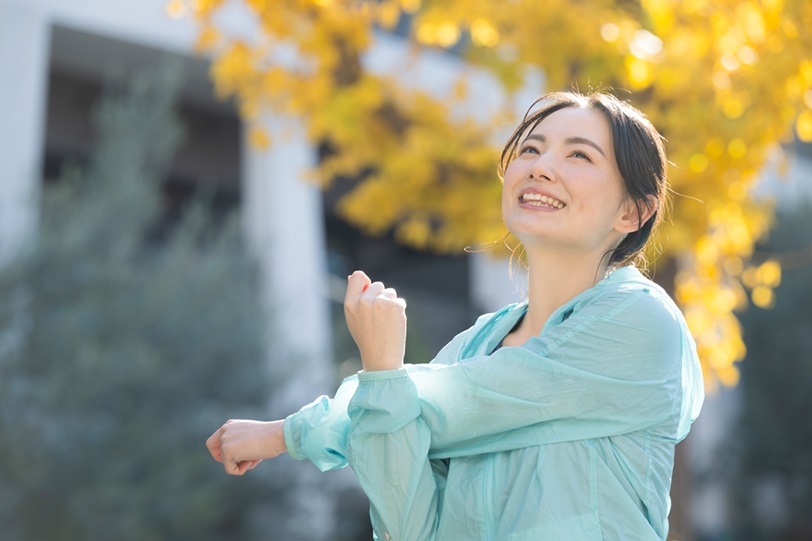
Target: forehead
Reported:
[(577, 122)]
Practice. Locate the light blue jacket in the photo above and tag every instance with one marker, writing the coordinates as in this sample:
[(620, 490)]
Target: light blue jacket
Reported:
[(569, 437)]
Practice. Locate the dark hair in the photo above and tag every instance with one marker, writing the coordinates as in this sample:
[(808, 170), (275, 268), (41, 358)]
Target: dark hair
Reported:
[(639, 153)]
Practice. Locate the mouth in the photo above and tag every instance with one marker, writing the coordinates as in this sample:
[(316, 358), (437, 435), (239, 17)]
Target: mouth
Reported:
[(539, 200)]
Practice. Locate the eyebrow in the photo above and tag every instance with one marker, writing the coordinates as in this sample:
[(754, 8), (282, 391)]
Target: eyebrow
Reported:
[(570, 141)]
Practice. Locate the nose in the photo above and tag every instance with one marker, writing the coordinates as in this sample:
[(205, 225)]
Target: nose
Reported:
[(543, 168)]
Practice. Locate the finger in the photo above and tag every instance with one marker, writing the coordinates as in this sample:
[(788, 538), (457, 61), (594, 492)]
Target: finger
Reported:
[(374, 289), (357, 283), (231, 467), (213, 445), (389, 293)]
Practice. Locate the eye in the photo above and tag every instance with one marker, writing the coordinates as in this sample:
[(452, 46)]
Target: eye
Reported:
[(528, 148), (581, 155)]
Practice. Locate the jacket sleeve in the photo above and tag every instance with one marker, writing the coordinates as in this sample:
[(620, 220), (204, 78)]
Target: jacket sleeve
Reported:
[(387, 448), (318, 431), (621, 363)]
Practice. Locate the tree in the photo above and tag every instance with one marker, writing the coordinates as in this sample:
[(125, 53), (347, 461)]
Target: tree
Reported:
[(725, 82), (123, 342)]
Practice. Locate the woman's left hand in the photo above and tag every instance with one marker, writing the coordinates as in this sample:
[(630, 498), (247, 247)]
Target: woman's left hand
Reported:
[(376, 317)]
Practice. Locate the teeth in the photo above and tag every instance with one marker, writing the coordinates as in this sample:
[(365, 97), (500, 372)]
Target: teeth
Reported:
[(539, 200)]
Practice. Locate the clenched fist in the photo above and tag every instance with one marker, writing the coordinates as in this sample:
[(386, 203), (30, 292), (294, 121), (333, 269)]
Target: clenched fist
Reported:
[(242, 444), (376, 317)]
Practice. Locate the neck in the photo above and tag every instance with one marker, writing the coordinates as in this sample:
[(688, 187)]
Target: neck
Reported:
[(554, 279)]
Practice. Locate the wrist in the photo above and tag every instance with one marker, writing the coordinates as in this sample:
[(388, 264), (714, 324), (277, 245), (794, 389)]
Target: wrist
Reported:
[(373, 361), (276, 432), (379, 364), (377, 375)]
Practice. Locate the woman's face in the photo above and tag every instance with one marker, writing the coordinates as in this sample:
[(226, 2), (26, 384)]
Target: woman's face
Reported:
[(563, 189)]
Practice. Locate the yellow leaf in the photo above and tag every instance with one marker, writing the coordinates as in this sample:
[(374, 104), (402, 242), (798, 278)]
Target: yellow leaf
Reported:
[(737, 191), (203, 8), (737, 148), (750, 277), (639, 72), (426, 32), (763, 297), (447, 34), (176, 9), (715, 147), (803, 126), (733, 107), (410, 6), (207, 40), (805, 69), (415, 232), (388, 14), (259, 139), (728, 375), (698, 163), (483, 33), (769, 273)]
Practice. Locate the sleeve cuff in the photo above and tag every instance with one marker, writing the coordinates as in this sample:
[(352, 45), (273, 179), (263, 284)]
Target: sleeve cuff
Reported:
[(382, 374), (291, 430)]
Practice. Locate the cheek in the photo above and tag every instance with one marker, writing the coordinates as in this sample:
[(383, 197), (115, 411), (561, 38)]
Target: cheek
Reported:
[(513, 175), (504, 202), (509, 180)]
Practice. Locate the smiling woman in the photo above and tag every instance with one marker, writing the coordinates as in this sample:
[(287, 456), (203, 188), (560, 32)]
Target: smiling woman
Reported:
[(601, 136), (554, 418)]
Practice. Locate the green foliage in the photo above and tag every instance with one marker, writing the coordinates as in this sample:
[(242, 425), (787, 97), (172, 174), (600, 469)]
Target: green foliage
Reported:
[(122, 349), (774, 430)]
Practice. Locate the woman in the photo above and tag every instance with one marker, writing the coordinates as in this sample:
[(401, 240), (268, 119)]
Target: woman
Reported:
[(552, 419)]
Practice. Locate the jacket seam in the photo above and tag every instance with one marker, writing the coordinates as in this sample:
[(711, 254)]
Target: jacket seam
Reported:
[(588, 322)]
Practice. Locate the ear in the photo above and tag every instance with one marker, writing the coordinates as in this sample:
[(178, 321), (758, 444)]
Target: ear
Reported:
[(633, 217)]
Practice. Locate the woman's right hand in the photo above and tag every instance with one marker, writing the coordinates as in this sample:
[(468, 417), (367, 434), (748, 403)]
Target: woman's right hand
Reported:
[(376, 317), (241, 444)]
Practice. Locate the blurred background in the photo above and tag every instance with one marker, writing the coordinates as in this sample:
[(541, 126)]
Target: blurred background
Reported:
[(184, 186)]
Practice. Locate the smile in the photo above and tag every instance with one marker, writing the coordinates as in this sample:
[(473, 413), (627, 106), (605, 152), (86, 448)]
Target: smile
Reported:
[(538, 200)]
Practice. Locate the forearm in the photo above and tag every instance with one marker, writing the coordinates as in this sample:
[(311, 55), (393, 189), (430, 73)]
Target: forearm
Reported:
[(388, 446), (318, 431)]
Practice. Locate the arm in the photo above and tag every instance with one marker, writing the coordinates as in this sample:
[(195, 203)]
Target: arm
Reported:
[(318, 431), (615, 369), (388, 442), (619, 364), (376, 318), (387, 448)]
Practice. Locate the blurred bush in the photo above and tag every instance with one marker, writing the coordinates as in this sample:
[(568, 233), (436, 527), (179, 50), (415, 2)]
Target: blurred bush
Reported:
[(123, 345)]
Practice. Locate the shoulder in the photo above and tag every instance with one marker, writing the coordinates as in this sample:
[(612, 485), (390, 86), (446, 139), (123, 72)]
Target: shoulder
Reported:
[(629, 295), (628, 318)]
